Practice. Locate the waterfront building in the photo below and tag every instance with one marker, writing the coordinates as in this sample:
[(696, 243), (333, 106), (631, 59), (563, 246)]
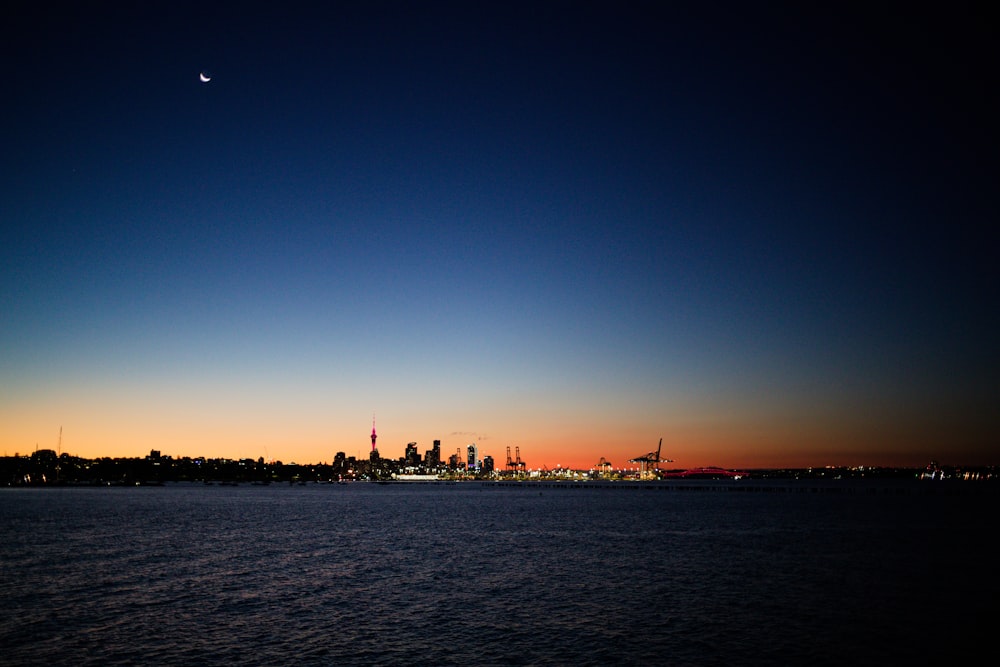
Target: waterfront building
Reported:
[(432, 459), (412, 457)]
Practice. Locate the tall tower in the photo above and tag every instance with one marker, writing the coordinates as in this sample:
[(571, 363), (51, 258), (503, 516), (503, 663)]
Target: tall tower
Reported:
[(374, 460)]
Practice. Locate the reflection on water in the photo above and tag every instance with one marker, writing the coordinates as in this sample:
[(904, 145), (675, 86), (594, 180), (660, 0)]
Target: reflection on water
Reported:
[(489, 574)]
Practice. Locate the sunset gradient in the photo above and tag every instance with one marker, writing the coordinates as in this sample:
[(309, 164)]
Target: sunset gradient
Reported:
[(571, 228)]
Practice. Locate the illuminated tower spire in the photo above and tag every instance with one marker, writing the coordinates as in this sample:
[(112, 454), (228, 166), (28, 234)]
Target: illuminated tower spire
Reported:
[(373, 432)]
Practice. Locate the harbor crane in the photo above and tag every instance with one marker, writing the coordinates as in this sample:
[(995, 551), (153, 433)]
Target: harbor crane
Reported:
[(515, 465), (649, 463), (604, 467)]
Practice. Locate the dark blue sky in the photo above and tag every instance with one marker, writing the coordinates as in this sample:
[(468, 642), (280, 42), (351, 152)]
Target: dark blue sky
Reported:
[(757, 232)]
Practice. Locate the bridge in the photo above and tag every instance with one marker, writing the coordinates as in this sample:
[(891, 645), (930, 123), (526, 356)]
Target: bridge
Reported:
[(710, 472)]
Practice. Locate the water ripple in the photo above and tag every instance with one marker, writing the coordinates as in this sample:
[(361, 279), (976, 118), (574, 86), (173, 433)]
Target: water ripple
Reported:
[(479, 574)]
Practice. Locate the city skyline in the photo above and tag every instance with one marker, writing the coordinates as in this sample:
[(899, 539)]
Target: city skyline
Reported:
[(574, 228), (458, 443)]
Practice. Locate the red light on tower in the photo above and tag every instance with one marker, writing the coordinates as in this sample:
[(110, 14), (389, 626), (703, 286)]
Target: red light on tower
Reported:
[(373, 433)]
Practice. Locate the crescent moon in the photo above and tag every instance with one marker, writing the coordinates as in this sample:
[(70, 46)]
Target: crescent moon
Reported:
[(204, 77)]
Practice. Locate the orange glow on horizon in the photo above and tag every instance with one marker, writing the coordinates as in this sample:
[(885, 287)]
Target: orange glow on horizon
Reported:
[(576, 450), (238, 427)]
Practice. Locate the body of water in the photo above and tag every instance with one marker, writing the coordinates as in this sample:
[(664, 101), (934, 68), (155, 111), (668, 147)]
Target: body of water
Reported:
[(479, 573)]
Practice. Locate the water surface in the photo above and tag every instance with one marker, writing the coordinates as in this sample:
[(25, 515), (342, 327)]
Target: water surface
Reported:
[(470, 573)]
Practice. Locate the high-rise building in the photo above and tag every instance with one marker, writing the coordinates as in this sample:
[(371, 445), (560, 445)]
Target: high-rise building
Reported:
[(412, 456), (433, 457), (339, 463), (488, 464), (473, 460)]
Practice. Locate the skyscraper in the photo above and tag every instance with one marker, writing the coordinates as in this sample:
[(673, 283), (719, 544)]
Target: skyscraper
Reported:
[(473, 460), (433, 457), (412, 457)]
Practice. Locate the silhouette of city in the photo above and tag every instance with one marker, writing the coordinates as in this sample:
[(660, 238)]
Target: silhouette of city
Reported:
[(45, 467)]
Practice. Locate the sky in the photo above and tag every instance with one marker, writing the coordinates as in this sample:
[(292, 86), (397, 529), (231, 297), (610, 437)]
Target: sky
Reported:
[(760, 233)]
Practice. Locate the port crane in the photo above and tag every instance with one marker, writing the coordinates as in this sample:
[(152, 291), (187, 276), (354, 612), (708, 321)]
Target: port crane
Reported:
[(515, 465), (604, 467), (649, 463)]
